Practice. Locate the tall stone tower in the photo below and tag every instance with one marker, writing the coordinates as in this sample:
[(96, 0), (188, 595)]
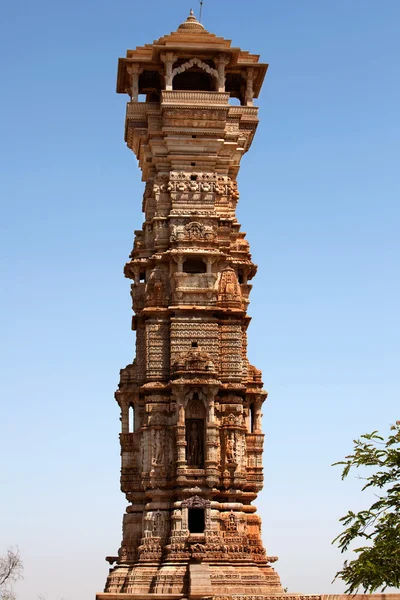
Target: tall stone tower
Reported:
[(191, 440)]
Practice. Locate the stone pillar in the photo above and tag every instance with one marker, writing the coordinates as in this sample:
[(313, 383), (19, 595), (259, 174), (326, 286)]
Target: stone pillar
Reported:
[(179, 262), (212, 437), (220, 62), (180, 431), (124, 417), (257, 416), (250, 76), (168, 59), (135, 70), (136, 272)]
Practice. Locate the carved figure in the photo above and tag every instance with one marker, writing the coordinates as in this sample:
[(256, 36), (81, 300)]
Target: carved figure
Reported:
[(231, 524), (158, 524), (230, 450), (158, 448), (229, 290), (155, 289), (195, 445)]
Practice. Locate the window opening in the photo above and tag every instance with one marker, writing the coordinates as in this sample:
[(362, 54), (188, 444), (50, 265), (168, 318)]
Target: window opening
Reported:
[(194, 81), (194, 266), (194, 344), (142, 277), (131, 419), (192, 164), (234, 101), (196, 520), (251, 417), (193, 177)]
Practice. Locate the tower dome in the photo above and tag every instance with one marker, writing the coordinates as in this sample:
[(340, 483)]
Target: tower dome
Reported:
[(191, 24)]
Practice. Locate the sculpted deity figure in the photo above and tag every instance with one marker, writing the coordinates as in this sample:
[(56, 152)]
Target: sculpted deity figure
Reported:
[(155, 288), (229, 289), (230, 450), (158, 448), (194, 444), (232, 523)]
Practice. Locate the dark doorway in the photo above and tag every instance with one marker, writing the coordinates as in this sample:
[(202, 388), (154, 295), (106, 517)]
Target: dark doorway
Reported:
[(194, 266), (196, 520)]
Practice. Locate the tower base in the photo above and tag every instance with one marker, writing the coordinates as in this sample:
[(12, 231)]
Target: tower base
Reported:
[(194, 580), (228, 596)]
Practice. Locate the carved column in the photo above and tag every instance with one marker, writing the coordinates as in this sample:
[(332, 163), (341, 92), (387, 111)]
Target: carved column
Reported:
[(135, 70), (124, 417), (209, 261), (180, 431), (212, 437), (220, 62), (250, 76), (168, 59), (257, 416), (179, 262)]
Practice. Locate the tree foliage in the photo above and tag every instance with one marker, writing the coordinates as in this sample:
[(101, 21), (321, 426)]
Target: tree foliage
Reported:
[(377, 565), (11, 568)]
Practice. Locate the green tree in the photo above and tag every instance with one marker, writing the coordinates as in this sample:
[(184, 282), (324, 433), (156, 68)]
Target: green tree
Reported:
[(377, 564)]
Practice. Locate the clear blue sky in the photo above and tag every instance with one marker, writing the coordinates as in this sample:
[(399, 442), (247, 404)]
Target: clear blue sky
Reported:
[(320, 203)]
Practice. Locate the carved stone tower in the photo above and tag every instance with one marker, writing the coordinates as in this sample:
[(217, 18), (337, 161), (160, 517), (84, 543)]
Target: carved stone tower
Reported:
[(191, 441)]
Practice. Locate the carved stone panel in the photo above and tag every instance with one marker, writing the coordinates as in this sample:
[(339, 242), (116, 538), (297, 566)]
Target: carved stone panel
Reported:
[(157, 349)]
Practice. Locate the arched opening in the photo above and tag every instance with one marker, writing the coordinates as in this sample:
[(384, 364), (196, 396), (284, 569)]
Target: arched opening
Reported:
[(149, 86), (193, 265), (194, 80), (196, 519), (131, 415), (235, 85)]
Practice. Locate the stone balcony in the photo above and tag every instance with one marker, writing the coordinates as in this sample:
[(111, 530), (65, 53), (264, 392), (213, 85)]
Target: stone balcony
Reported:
[(255, 441), (140, 110), (194, 288), (138, 295), (129, 441)]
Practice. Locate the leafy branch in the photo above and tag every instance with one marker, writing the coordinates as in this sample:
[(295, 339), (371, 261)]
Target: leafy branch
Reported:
[(377, 564)]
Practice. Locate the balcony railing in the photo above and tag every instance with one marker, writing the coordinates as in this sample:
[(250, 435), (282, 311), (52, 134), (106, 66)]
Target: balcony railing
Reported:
[(190, 98)]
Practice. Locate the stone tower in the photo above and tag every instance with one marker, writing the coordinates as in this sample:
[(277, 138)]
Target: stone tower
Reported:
[(191, 440)]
